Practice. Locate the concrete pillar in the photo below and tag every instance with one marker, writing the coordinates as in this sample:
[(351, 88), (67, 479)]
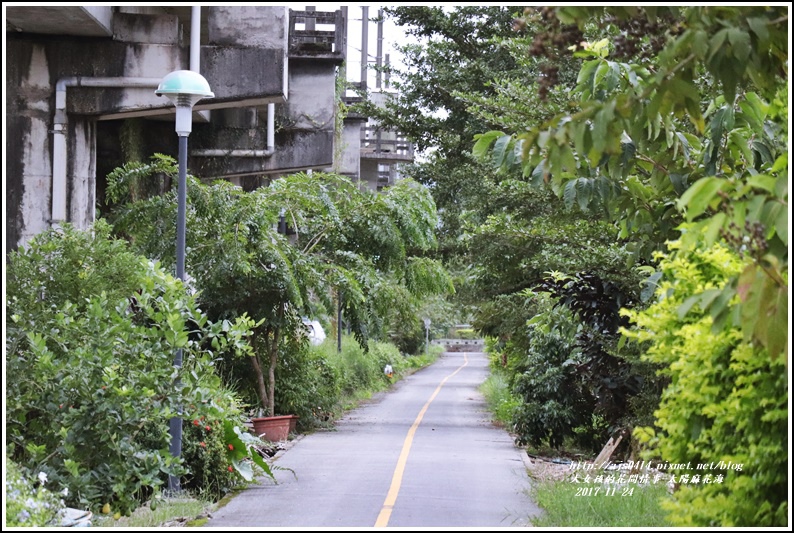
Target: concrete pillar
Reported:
[(29, 143), (379, 53), (364, 43), (81, 172)]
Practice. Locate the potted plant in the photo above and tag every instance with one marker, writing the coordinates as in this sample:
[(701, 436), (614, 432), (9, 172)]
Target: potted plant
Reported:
[(272, 336), (272, 428)]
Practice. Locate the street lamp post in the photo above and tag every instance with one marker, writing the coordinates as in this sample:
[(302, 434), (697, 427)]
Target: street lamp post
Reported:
[(184, 88), (427, 334), (282, 222)]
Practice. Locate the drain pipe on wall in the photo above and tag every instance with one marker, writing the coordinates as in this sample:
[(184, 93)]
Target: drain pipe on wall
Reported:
[(59, 159), (195, 48), (59, 132), (195, 38), (271, 143)]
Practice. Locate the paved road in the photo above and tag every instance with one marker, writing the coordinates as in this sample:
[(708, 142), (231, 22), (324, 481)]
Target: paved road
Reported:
[(423, 454)]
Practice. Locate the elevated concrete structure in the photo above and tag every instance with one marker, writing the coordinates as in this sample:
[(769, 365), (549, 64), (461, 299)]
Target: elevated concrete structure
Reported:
[(267, 66), (381, 151)]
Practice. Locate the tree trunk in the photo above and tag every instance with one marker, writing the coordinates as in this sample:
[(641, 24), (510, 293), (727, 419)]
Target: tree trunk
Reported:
[(273, 352), (271, 376), (260, 381)]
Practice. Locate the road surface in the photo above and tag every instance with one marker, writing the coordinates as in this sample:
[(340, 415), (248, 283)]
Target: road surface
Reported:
[(423, 454)]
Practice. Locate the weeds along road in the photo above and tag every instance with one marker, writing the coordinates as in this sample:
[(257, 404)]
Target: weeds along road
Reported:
[(423, 454)]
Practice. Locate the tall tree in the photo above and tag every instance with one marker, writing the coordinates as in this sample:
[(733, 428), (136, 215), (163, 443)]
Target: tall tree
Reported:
[(693, 128), (369, 248), (458, 50), (470, 72)]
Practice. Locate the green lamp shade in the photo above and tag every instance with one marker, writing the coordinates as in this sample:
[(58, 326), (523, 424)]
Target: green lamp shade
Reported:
[(185, 83)]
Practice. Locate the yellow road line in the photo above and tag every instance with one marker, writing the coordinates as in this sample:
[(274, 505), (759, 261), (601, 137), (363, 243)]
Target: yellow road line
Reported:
[(397, 478)]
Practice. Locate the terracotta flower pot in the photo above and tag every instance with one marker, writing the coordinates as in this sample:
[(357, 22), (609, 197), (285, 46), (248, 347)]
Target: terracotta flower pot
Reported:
[(272, 428)]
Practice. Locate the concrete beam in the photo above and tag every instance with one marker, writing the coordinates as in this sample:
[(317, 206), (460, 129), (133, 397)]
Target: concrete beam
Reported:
[(295, 150), (237, 76), (88, 21), (149, 29), (241, 25)]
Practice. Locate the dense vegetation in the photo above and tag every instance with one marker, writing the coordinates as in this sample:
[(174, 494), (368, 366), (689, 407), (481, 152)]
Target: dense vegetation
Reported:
[(609, 144), (358, 252), (60, 407), (92, 330), (94, 322), (608, 187)]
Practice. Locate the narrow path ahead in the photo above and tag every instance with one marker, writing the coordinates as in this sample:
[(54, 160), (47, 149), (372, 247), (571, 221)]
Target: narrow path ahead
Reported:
[(424, 454)]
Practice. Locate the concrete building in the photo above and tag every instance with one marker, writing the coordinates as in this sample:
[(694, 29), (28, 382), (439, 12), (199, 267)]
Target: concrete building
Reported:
[(383, 150), (80, 102), (80, 99)]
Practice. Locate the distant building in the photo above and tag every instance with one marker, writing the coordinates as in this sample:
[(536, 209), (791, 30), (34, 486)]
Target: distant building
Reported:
[(383, 151)]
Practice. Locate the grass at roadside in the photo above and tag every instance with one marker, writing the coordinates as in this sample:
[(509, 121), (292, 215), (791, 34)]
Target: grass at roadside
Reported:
[(174, 512), (557, 496), (563, 508), (500, 401)]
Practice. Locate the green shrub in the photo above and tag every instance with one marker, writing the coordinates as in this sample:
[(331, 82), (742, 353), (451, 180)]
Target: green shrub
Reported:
[(555, 400), (500, 401), (92, 330), (27, 503), (316, 381), (210, 471), (309, 385), (466, 333), (359, 371), (383, 354), (407, 335), (572, 389), (726, 401)]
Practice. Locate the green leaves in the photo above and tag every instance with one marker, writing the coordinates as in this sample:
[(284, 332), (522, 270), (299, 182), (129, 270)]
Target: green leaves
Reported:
[(725, 396), (91, 358), (241, 450), (340, 238), (764, 310), (697, 198)]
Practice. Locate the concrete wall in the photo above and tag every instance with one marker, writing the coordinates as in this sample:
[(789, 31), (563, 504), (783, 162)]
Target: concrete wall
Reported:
[(348, 152), (34, 66), (244, 58), (28, 169), (249, 26), (304, 129), (369, 174), (308, 119), (81, 167)]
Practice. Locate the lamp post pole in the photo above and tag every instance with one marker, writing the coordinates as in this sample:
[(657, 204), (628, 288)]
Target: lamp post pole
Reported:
[(184, 88), (427, 334), (181, 209), (175, 424)]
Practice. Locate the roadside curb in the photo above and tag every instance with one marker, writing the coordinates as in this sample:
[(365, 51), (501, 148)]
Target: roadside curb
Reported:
[(287, 445), (526, 460)]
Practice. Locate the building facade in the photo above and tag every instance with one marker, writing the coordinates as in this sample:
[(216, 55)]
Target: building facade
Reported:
[(80, 102), (80, 99)]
